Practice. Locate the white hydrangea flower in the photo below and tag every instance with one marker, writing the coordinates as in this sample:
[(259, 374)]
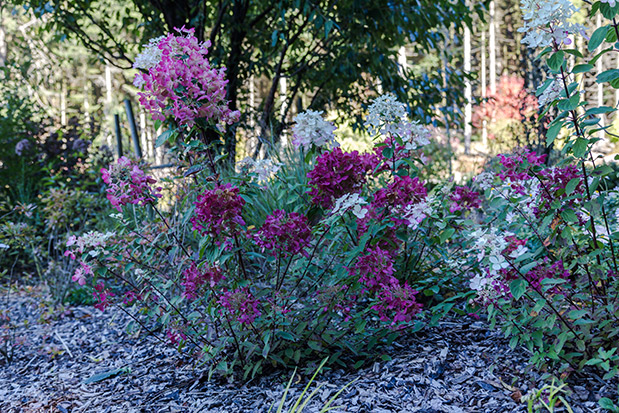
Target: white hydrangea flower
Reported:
[(93, 240), (484, 180), (551, 93), (386, 115), (546, 22), (311, 128), (150, 56), (611, 3), (415, 135), (264, 168), (478, 282), (416, 213), (3, 246), (350, 202)]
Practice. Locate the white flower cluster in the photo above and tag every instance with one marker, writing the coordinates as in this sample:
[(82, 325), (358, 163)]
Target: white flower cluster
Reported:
[(150, 56), (611, 3), (350, 202), (526, 203), (489, 244), (416, 213), (546, 22), (551, 93), (93, 240), (415, 135), (311, 128), (264, 168), (388, 116), (484, 180)]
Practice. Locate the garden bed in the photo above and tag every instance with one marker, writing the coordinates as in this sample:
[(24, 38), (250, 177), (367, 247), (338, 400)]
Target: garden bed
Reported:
[(458, 366)]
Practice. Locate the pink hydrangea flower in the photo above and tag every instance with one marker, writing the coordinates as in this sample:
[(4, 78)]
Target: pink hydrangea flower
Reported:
[(181, 82), (241, 304), (463, 198), (283, 232), (218, 211), (102, 294), (516, 167), (374, 269), (396, 303), (81, 272), (194, 278), (128, 184), (338, 173), (176, 336), (403, 191)]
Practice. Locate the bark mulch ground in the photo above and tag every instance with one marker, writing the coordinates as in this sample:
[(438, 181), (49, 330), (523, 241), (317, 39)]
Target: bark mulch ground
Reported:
[(458, 366)]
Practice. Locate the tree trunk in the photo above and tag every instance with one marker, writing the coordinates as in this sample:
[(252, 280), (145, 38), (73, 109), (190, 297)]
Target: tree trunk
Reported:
[(484, 87), (468, 91), (492, 47)]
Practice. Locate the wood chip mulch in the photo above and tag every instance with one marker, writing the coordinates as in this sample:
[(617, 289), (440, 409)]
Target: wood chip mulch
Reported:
[(458, 366)]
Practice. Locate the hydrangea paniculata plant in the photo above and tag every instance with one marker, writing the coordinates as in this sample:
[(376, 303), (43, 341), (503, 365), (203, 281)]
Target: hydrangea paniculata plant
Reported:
[(180, 81), (338, 173), (311, 128), (241, 304), (218, 211), (283, 232), (128, 184), (195, 278)]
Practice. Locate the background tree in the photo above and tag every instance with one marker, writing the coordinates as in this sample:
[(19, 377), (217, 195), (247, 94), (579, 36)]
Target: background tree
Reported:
[(329, 53)]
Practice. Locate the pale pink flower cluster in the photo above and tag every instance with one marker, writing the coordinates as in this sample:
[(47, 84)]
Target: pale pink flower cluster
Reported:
[(181, 82), (83, 271), (128, 184), (311, 128), (93, 240), (547, 22), (388, 116)]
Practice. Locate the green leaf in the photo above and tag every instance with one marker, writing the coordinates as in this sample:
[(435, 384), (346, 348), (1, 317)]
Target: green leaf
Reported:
[(607, 11), (556, 60), (580, 147), (517, 288), (105, 375), (597, 38), (569, 104), (576, 314), (553, 131), (606, 403), (607, 76), (598, 111), (163, 138), (571, 186), (445, 235), (582, 68)]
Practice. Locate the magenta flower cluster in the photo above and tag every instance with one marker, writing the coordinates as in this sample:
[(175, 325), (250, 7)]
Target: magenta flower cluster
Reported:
[(241, 304), (288, 233), (218, 211), (463, 198), (128, 184), (338, 173), (195, 278), (403, 191), (182, 83), (555, 181), (101, 294), (394, 302), (516, 166), (375, 269), (397, 304)]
